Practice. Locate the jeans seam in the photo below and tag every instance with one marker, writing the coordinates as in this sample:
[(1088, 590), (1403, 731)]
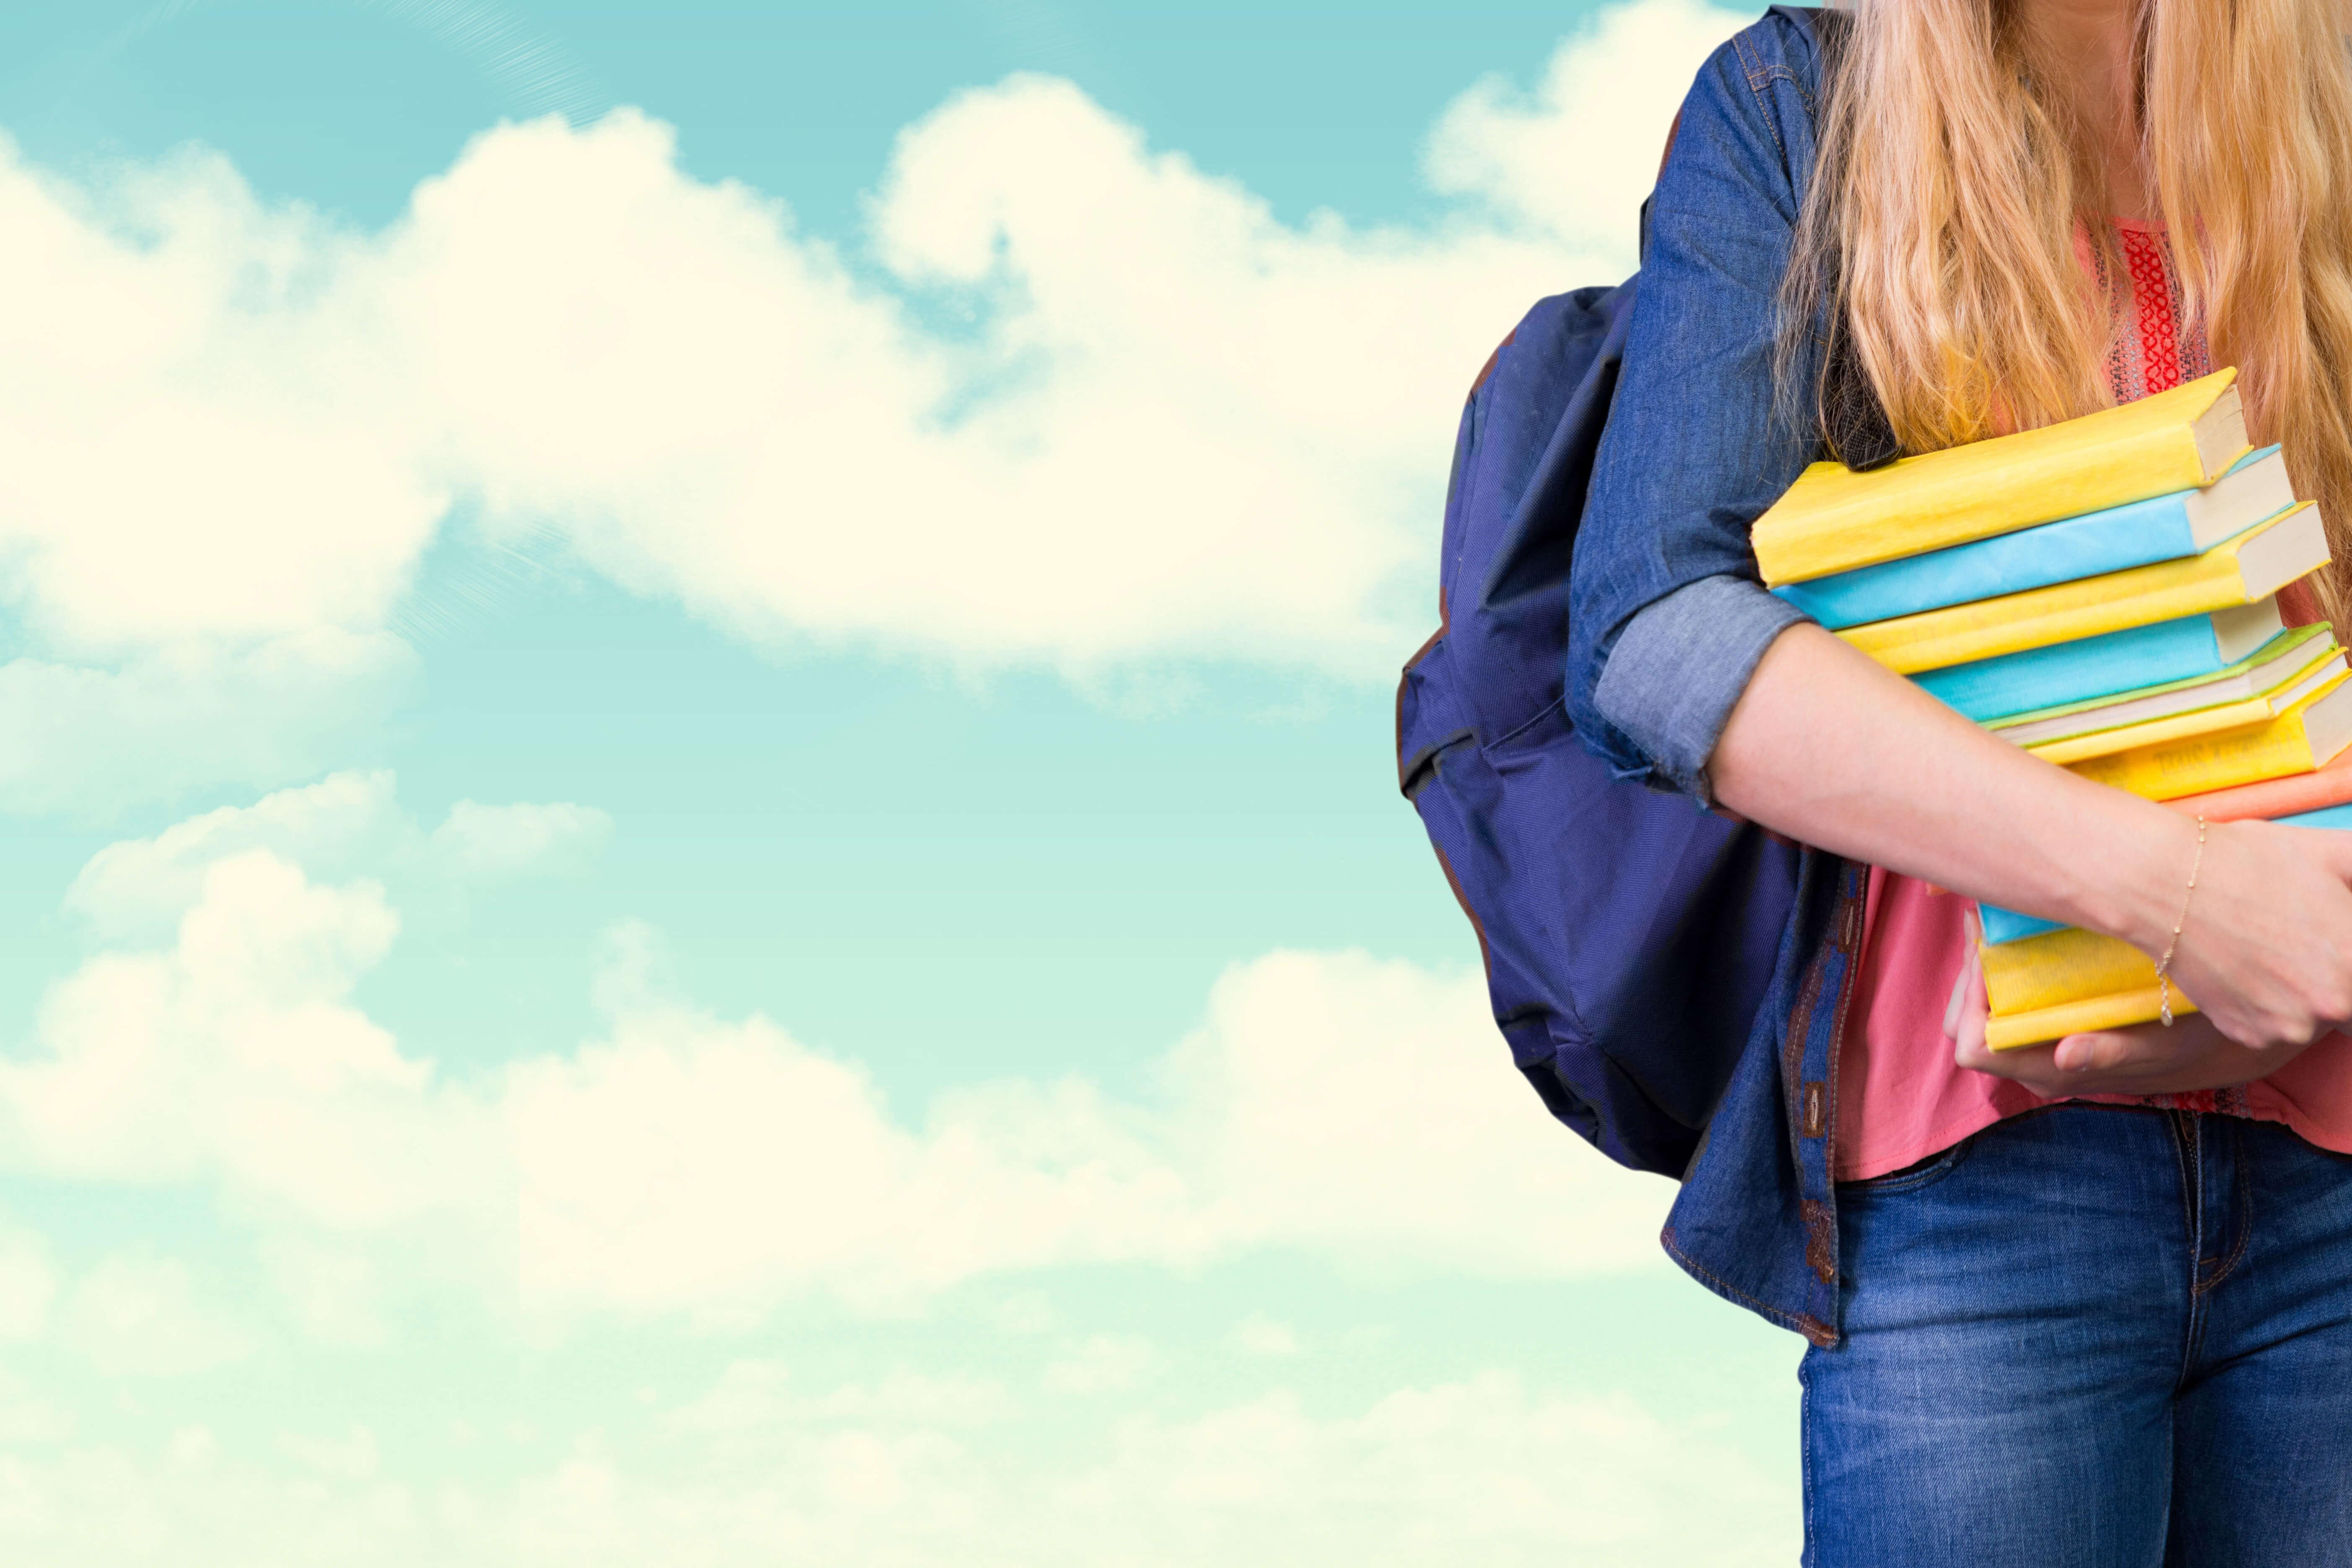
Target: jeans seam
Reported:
[(2246, 1211), (2188, 1204), (1926, 1173), (1805, 1459), (2188, 1145)]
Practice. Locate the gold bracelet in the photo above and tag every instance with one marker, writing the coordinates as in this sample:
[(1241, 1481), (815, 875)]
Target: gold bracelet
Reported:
[(2164, 965)]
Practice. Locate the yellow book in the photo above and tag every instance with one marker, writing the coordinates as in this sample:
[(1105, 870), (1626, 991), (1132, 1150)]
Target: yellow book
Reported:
[(2212, 720), (1834, 520), (2116, 1011), (2252, 566), (2297, 741), (2069, 965)]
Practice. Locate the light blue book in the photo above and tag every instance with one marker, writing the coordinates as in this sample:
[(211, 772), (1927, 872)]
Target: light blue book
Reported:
[(2007, 925), (2102, 666), (2164, 527)]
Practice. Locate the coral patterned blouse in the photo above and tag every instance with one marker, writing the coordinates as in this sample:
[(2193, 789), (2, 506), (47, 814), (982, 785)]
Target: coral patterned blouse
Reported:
[(1900, 1096)]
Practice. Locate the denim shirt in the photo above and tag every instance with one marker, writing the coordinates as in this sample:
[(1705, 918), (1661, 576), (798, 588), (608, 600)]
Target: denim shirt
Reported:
[(1668, 620)]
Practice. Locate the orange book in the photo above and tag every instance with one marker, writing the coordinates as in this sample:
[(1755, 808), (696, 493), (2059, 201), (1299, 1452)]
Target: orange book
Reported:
[(2273, 798)]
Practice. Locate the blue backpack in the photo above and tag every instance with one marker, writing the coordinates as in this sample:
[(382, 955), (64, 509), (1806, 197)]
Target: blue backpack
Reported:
[(1629, 936)]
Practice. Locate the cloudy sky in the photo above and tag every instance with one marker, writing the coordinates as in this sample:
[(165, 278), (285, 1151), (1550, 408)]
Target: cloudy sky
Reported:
[(700, 854)]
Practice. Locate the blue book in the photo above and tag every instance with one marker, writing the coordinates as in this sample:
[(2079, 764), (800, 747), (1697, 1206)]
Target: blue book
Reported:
[(2007, 925), (2101, 667), (2164, 527)]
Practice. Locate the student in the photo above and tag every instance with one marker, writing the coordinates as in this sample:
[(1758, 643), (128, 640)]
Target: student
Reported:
[(2094, 1301)]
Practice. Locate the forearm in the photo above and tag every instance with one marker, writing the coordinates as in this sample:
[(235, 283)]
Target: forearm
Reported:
[(1830, 748)]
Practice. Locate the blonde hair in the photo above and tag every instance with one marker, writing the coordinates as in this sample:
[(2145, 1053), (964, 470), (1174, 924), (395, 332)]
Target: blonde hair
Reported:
[(1945, 199)]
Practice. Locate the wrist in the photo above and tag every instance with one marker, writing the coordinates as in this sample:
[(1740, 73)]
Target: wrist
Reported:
[(2139, 899)]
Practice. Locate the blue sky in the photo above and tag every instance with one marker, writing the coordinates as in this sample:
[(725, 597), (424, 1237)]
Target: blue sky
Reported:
[(705, 867)]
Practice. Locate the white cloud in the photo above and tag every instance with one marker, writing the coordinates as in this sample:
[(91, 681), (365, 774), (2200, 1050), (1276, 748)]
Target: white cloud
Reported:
[(1181, 427), (330, 828), (28, 1283), (92, 737), (480, 844), (754, 1398), (1172, 426), (138, 1314), (1102, 1364), (1260, 1335), (195, 448), (351, 1457), (1577, 155), (1360, 1109), (1473, 1471), (342, 826), (1479, 1471), (334, 1291), (196, 1500), (25, 1417), (1373, 1107), (1025, 1312), (1331, 1103), (236, 1056)]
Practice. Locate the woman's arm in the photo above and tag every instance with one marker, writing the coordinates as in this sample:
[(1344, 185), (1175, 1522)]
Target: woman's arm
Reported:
[(1683, 669), (1910, 784)]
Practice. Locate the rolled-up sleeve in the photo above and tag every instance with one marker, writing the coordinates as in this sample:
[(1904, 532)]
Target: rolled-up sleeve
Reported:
[(1679, 666), (1668, 618)]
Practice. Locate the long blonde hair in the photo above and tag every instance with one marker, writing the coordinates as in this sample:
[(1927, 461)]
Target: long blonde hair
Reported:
[(1947, 187)]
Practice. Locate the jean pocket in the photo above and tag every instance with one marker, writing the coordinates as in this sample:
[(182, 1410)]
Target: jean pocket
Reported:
[(1911, 1178)]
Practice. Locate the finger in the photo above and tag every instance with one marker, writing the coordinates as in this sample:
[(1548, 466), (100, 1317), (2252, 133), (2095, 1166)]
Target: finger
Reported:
[(2027, 1064), (2147, 1045), (1968, 1048), (1954, 1007), (1970, 967), (2125, 1059)]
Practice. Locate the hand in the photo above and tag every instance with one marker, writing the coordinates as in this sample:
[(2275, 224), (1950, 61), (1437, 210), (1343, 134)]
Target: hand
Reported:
[(2147, 1059), (2266, 949)]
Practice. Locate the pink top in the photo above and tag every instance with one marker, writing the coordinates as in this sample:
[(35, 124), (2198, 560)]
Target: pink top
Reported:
[(1900, 1096)]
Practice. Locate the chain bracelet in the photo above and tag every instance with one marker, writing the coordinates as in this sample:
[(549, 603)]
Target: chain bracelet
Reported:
[(2164, 965)]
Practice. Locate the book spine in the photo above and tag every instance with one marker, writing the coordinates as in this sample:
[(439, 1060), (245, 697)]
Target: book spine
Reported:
[(2331, 786), (2079, 671), (2064, 965), (2068, 612), (2208, 761), (2119, 1011), (2156, 732), (1959, 504), (2115, 538)]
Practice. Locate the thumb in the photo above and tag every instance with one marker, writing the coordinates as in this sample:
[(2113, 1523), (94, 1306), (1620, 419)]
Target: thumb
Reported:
[(1968, 986), (1968, 1017)]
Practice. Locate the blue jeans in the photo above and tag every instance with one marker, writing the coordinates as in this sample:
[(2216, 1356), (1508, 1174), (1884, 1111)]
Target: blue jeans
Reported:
[(2090, 1337)]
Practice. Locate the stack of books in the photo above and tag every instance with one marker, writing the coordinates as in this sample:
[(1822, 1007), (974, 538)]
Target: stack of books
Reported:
[(2103, 593)]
